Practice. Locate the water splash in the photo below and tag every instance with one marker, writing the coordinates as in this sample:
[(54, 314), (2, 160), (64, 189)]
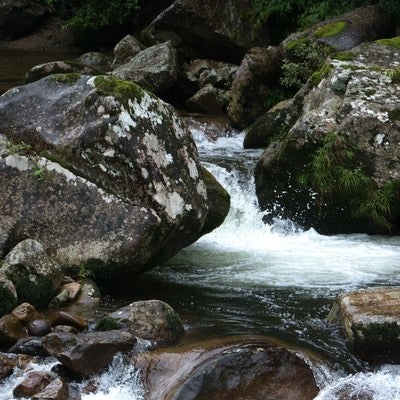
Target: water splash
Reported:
[(383, 384), (120, 381)]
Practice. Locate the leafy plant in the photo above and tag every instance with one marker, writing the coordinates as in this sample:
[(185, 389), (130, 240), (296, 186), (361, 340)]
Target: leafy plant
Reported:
[(338, 176)]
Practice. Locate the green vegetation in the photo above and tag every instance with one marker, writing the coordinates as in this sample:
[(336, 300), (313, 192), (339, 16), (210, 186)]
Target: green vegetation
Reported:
[(302, 60), (322, 73), (343, 56), (107, 324), (305, 13), (122, 90), (18, 148), (393, 74), (68, 79), (392, 42), (338, 176), (86, 19), (330, 30)]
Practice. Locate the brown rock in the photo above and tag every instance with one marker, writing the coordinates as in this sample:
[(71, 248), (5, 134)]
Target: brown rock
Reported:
[(55, 390), (371, 320), (227, 369), (33, 382), (11, 330), (67, 318), (10, 361), (87, 353), (26, 312)]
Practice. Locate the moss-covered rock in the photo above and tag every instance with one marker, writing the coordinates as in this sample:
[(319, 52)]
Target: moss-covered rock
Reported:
[(391, 42), (332, 167), (36, 277)]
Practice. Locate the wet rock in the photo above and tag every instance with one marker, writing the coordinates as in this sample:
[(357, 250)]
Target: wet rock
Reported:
[(220, 200), (32, 346), (26, 313), (55, 390), (88, 297), (10, 361), (59, 300), (155, 68), (32, 383), (34, 274), (225, 369), (60, 67), (127, 48), (346, 113), (209, 29), (208, 100), (67, 318), (258, 69), (371, 320), (72, 289), (17, 18), (87, 353), (65, 328), (8, 295), (151, 320), (39, 327), (112, 152), (11, 330)]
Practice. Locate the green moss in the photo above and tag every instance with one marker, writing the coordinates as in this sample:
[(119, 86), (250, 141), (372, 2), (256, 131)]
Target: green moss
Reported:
[(322, 73), (120, 89), (330, 30), (343, 56), (394, 115), (392, 42), (293, 44), (107, 324), (67, 79), (393, 74), (21, 148)]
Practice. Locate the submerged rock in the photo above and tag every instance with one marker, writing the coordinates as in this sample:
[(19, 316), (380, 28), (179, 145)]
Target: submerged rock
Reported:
[(104, 174), (226, 369), (333, 164), (371, 320)]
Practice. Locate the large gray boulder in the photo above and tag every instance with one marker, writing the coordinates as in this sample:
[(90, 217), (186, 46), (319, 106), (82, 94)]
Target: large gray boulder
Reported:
[(332, 162), (127, 48), (155, 68), (210, 29), (371, 321), (18, 17), (101, 172), (34, 274)]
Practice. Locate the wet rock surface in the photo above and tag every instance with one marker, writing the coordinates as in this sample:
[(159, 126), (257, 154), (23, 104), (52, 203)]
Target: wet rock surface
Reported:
[(371, 321), (227, 370)]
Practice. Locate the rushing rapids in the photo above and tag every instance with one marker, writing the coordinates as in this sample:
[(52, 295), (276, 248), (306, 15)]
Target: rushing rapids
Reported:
[(251, 278)]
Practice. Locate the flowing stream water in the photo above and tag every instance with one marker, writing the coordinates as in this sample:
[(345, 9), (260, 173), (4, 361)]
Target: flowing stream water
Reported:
[(250, 278)]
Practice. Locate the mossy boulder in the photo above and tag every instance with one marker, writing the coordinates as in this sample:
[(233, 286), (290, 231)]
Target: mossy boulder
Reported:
[(333, 165), (155, 68), (34, 274), (100, 171), (371, 321)]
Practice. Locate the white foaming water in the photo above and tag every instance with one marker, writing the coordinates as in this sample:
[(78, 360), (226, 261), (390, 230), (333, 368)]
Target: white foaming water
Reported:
[(120, 381), (383, 384), (282, 254)]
